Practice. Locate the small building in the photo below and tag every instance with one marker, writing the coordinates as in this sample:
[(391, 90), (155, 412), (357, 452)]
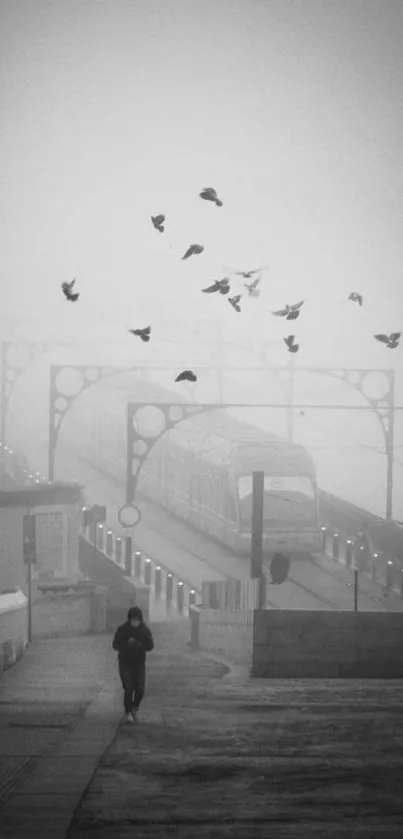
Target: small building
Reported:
[(57, 508)]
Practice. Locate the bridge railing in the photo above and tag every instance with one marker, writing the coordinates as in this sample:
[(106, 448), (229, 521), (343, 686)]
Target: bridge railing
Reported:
[(382, 568), (176, 594)]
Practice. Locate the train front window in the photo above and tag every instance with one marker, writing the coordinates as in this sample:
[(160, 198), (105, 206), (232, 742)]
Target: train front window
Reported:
[(288, 501)]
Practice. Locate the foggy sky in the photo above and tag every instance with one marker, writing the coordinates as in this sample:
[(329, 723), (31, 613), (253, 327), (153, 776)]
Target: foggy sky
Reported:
[(111, 111)]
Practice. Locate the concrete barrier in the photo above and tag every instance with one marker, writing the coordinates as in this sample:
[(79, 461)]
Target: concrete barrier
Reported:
[(13, 627), (301, 644), (223, 632)]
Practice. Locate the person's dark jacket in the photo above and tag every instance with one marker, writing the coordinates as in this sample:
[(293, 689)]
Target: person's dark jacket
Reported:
[(133, 654)]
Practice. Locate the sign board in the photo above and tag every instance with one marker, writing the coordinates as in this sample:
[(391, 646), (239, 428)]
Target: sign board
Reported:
[(129, 515), (29, 539)]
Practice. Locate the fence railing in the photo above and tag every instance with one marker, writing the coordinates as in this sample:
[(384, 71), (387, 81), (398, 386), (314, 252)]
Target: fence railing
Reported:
[(355, 552), (177, 594), (231, 595)]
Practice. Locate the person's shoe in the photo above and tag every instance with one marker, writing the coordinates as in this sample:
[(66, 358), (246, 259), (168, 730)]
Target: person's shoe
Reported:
[(135, 715), (129, 719)]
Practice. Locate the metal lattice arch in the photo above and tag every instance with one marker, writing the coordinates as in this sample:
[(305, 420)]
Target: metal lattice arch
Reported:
[(62, 397), (139, 444)]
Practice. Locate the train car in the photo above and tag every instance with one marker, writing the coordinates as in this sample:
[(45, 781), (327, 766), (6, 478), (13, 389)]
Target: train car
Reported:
[(201, 471)]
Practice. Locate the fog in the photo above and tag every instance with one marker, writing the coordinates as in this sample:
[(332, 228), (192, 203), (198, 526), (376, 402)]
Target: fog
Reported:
[(113, 111)]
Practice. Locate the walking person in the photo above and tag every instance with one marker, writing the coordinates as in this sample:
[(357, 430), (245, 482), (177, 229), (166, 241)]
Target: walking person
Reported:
[(132, 641)]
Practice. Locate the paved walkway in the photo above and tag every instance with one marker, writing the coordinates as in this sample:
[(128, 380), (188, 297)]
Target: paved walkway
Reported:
[(59, 708), (213, 754)]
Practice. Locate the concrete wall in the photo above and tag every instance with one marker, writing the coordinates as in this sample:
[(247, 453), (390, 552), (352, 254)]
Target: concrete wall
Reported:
[(13, 628), (222, 632), (302, 644), (69, 613)]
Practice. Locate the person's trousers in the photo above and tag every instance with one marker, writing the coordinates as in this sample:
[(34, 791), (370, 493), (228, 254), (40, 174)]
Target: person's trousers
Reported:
[(133, 682)]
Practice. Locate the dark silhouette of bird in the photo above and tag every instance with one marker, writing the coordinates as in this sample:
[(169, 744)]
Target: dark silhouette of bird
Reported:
[(144, 334), (67, 289), (252, 288), (356, 298), (222, 286), (186, 376), (391, 341), (158, 222), (193, 249), (248, 275), (290, 312), (289, 341), (209, 194), (235, 302)]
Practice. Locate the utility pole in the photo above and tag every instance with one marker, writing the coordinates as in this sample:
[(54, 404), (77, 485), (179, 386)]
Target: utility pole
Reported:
[(290, 401), (256, 569), (389, 441), (29, 555)]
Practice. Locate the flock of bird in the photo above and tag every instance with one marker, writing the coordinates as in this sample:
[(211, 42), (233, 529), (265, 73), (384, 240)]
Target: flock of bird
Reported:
[(223, 287)]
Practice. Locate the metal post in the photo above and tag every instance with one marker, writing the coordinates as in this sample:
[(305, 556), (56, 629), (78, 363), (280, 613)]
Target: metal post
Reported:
[(389, 436), (53, 431), (169, 590), (129, 455), (128, 555), (4, 400), (349, 552), (179, 597), (158, 582), (261, 603), (137, 564), (29, 574), (257, 524), (290, 401), (356, 589), (335, 546), (147, 572)]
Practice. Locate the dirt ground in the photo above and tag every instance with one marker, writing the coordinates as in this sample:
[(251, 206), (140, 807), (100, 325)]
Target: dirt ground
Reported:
[(218, 757)]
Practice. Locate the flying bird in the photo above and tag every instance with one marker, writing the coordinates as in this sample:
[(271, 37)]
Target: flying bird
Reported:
[(356, 298), (144, 334), (290, 342), (290, 312), (193, 249), (67, 289), (248, 275), (235, 302), (252, 287), (391, 341), (209, 194), (158, 222), (222, 286), (186, 376)]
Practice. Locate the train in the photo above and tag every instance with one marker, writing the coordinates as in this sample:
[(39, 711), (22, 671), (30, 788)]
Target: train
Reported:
[(201, 470)]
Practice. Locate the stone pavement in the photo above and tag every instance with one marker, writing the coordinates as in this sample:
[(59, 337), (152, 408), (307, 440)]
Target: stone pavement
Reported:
[(217, 755), (59, 708), (213, 755)]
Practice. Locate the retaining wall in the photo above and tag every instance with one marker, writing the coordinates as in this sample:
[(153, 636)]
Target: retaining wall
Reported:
[(222, 632), (69, 613), (13, 627), (301, 644)]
